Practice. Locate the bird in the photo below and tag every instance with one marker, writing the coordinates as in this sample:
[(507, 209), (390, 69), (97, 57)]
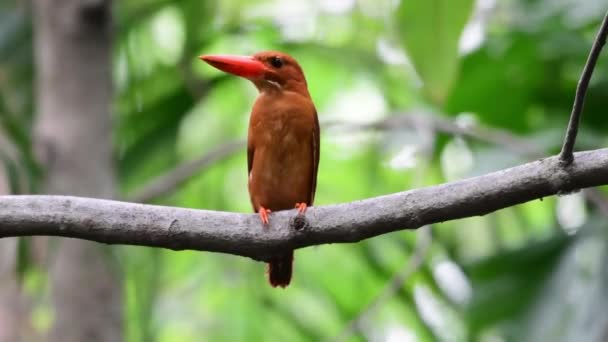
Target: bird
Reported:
[(283, 142)]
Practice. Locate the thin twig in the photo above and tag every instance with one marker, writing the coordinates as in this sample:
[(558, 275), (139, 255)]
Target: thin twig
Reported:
[(394, 285), (566, 156)]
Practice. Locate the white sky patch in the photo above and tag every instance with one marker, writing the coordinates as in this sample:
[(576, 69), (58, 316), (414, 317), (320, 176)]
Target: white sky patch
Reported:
[(472, 37), (466, 120), (456, 159), (393, 54), (474, 33), (377, 8), (390, 53), (452, 281), (398, 333), (296, 19), (301, 29), (406, 158), (336, 6), (168, 33), (346, 145), (428, 307), (361, 103), (445, 323), (571, 212)]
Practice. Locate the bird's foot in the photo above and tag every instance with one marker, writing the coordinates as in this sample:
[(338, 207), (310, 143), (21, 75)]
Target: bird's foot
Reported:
[(263, 212), (301, 208), (299, 221)]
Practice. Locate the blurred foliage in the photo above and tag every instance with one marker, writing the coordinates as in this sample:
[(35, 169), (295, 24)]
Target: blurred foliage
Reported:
[(532, 272), (430, 32)]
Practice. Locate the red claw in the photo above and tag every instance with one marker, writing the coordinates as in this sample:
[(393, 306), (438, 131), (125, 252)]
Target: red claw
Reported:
[(263, 212), (301, 208)]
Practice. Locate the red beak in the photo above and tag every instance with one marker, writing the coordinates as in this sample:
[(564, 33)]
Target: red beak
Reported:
[(244, 66)]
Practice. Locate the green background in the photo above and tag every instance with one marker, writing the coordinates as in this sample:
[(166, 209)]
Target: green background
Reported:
[(534, 272)]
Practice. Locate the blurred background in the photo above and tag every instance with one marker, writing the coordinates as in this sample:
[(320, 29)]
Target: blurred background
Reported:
[(110, 100)]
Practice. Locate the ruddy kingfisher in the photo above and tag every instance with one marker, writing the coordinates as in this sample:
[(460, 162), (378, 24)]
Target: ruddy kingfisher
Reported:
[(283, 140)]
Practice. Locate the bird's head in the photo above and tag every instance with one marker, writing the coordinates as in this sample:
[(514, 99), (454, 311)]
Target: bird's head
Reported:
[(268, 70)]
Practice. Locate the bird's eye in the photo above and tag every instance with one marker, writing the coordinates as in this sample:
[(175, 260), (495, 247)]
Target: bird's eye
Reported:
[(276, 61)]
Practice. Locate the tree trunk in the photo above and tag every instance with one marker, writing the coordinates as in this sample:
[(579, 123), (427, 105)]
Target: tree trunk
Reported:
[(11, 301), (73, 132), (11, 306)]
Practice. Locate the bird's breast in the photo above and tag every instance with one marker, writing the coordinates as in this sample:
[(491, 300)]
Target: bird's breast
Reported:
[(279, 144), (282, 162)]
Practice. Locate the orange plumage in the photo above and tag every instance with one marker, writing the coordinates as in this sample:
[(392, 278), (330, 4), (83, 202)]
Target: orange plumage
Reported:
[(283, 140)]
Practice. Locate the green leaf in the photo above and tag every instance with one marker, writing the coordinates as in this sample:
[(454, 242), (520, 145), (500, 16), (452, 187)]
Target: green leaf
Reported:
[(430, 31), (24, 257), (11, 172)]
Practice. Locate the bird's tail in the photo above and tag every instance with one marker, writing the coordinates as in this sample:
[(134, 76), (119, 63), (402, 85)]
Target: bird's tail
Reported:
[(279, 269)]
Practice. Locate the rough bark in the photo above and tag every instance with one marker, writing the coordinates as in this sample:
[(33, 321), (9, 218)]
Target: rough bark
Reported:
[(116, 222), (73, 134)]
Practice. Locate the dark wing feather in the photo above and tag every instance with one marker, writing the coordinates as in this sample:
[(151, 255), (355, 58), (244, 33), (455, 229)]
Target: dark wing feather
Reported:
[(250, 152), (316, 146), (249, 158)]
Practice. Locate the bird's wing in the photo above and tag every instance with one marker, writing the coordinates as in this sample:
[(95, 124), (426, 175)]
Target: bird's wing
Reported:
[(250, 152), (316, 145)]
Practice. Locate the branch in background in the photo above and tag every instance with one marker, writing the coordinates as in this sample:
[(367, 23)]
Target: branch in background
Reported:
[(170, 181), (565, 155), (116, 222), (437, 123), (392, 287)]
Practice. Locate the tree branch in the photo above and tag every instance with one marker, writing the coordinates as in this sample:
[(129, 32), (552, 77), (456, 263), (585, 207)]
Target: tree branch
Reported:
[(116, 222), (566, 155)]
